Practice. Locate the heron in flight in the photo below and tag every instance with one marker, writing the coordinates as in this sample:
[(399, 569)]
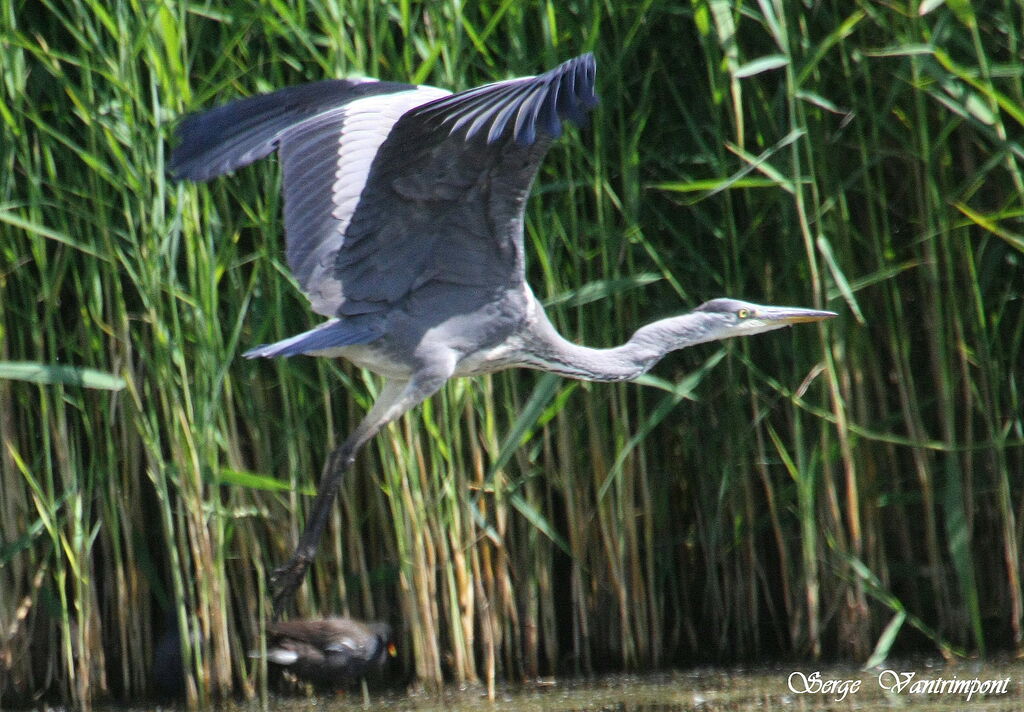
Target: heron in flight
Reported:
[(403, 213)]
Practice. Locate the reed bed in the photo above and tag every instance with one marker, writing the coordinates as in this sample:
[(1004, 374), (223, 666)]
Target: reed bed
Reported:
[(843, 492)]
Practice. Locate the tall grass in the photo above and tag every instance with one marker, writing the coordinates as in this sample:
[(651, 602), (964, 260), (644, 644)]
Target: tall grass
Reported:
[(842, 491)]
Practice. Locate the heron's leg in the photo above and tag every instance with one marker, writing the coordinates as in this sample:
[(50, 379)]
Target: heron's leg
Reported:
[(395, 398), (285, 580)]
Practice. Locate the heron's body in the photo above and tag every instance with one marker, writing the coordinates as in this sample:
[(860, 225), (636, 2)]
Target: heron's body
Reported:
[(473, 340), (403, 210)]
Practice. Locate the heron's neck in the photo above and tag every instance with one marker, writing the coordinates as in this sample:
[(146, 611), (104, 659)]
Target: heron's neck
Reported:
[(549, 351)]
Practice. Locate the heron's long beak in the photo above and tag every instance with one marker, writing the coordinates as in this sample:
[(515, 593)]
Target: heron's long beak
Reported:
[(783, 316)]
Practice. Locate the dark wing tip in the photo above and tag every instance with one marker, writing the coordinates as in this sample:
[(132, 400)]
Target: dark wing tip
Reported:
[(227, 137), (213, 142), (193, 139), (566, 93), (523, 107)]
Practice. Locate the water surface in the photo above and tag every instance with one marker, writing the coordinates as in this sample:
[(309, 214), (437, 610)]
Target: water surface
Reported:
[(918, 685)]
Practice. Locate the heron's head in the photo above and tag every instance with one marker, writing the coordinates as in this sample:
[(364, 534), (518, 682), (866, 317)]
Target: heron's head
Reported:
[(725, 318), (713, 321)]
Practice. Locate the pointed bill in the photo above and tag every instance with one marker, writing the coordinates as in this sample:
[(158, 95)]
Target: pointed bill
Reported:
[(784, 316)]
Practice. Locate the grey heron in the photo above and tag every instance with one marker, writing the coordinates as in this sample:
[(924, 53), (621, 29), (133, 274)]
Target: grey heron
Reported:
[(403, 213)]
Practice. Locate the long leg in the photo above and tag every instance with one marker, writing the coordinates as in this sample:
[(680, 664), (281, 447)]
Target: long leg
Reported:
[(395, 398)]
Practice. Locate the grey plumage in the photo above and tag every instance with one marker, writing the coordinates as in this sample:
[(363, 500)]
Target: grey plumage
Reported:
[(404, 223)]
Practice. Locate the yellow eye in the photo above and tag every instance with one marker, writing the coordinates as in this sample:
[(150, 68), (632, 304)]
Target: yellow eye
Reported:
[(743, 313)]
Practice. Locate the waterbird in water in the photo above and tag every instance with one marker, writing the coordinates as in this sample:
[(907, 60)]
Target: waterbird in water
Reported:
[(168, 669), (331, 653), (403, 212)]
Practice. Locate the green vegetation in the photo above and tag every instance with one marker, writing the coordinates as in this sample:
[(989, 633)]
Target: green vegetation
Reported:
[(831, 491)]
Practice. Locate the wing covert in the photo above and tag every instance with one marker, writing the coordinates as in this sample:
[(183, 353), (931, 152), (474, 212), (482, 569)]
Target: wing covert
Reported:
[(326, 163), (446, 191)]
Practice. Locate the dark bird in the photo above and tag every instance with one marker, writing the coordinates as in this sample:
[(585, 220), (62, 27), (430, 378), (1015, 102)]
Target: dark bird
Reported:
[(331, 653), (168, 670), (403, 213)]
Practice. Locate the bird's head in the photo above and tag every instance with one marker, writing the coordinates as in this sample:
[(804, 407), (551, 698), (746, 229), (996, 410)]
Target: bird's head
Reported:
[(386, 636), (711, 321), (725, 318)]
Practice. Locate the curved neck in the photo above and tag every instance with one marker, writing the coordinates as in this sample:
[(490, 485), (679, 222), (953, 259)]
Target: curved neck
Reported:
[(547, 350)]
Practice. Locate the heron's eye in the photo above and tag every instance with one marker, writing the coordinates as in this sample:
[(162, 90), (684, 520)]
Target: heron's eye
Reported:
[(743, 313)]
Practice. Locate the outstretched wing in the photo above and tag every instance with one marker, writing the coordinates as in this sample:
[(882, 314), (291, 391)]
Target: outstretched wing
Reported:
[(220, 140), (388, 187), (444, 198)]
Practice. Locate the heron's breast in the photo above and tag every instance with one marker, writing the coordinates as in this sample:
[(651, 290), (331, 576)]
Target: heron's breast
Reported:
[(382, 361), (478, 333), (488, 360)]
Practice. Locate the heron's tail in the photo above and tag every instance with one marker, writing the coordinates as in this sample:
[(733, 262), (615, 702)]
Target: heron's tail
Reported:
[(320, 341)]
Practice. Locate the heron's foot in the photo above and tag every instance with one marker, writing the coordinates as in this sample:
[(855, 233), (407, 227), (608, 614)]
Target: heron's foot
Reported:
[(285, 581)]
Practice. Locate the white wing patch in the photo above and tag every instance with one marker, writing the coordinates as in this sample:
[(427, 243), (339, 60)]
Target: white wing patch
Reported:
[(366, 124), (282, 656)]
